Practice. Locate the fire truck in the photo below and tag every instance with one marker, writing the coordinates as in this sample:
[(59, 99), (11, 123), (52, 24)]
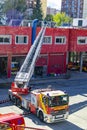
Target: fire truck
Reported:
[(49, 105), (11, 121)]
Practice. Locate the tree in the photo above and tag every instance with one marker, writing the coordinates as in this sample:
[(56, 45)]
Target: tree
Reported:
[(37, 11), (2, 17), (19, 5), (14, 9), (49, 17), (61, 18)]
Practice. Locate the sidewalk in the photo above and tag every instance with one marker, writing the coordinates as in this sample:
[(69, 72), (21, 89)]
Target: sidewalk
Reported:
[(78, 75), (4, 80), (73, 76)]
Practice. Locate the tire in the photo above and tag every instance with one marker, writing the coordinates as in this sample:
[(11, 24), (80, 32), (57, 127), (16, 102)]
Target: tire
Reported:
[(14, 100), (19, 103), (37, 113), (29, 109), (41, 117), (10, 97)]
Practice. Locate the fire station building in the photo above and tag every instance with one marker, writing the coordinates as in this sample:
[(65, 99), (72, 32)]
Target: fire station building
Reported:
[(60, 46)]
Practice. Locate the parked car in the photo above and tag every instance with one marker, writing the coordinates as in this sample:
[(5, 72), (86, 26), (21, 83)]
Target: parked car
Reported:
[(73, 66), (14, 67)]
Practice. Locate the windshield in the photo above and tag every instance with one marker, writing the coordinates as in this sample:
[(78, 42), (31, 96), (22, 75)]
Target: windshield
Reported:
[(58, 100)]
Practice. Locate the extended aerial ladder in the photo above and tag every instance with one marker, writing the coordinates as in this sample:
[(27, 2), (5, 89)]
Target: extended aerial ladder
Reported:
[(25, 73)]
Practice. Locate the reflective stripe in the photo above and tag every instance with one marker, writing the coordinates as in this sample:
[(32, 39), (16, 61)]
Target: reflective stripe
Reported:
[(9, 129), (42, 104)]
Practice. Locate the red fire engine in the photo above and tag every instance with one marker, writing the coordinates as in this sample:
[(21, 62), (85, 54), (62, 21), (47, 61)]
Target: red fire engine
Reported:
[(49, 105)]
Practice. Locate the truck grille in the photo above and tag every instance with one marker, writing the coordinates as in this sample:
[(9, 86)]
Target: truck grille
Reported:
[(60, 112)]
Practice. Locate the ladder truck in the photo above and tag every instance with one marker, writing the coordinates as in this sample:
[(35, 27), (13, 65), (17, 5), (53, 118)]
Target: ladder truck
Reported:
[(47, 104)]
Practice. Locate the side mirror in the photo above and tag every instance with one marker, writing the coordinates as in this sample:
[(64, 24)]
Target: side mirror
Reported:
[(44, 100)]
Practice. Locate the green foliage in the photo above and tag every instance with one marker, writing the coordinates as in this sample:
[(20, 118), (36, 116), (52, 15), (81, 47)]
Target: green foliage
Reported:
[(37, 11), (49, 17), (19, 5), (61, 18)]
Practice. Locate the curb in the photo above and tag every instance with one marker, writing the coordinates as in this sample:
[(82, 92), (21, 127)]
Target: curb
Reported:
[(4, 101)]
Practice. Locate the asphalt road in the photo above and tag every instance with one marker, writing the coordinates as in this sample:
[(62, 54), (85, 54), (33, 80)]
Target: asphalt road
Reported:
[(76, 87)]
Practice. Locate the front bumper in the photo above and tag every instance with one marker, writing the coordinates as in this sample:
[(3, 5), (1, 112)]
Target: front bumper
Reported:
[(56, 118)]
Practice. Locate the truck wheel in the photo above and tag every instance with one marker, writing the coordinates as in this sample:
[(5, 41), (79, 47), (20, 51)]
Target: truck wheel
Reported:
[(37, 112), (14, 99), (41, 117), (28, 109), (9, 97), (18, 103)]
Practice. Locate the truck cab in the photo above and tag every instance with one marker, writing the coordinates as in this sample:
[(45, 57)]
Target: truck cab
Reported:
[(50, 105)]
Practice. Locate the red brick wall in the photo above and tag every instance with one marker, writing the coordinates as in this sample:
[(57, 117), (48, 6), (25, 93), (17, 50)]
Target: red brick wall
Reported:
[(73, 42), (14, 48), (55, 61), (55, 48), (70, 34)]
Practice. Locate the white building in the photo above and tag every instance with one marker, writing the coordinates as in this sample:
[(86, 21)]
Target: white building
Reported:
[(79, 22), (85, 9), (52, 10)]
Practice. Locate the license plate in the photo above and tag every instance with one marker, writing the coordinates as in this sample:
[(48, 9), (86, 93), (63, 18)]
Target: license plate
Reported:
[(59, 116)]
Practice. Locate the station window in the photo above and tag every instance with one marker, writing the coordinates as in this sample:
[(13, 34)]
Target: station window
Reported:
[(21, 39), (82, 40), (47, 40), (60, 40), (5, 39)]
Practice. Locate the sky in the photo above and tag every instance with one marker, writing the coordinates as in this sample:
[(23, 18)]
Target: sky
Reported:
[(54, 4)]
